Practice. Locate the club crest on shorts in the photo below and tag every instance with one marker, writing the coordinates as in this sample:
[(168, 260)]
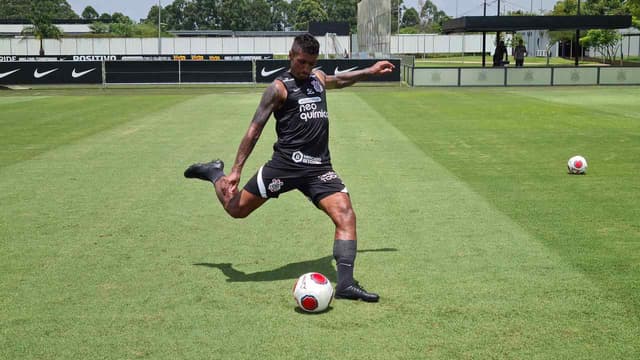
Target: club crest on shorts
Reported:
[(275, 185)]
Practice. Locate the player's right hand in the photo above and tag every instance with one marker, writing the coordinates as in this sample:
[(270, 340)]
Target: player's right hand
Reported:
[(232, 180)]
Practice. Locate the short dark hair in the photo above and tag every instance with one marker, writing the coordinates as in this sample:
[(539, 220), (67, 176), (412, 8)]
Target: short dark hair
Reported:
[(306, 43)]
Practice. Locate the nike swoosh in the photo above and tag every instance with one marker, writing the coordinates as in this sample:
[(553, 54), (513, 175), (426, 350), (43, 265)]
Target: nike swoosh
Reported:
[(265, 73), (337, 71), (76, 75), (38, 75), (8, 73)]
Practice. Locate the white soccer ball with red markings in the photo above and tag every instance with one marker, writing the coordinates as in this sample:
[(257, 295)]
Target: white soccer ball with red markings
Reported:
[(577, 165), (313, 292)]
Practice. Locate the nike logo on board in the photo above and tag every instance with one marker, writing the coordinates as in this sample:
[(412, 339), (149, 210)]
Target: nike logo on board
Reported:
[(3, 75), (38, 75), (76, 75), (337, 71), (266, 73)]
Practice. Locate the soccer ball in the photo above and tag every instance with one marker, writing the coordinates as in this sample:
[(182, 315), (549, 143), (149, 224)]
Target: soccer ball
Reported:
[(577, 165), (313, 292)]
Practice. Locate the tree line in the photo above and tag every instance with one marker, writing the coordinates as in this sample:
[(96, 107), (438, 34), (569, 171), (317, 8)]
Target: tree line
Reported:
[(270, 15)]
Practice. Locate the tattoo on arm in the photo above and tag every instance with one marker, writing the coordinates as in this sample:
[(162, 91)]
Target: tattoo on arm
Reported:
[(271, 101)]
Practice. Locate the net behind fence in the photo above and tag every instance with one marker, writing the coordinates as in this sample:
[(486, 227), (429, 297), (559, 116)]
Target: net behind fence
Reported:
[(374, 27)]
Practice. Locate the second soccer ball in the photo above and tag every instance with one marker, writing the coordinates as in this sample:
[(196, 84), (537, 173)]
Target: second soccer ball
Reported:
[(577, 165)]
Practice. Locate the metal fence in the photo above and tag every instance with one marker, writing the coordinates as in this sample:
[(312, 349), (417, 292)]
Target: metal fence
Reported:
[(374, 26)]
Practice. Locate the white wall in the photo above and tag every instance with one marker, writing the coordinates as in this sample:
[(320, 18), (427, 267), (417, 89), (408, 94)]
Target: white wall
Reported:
[(432, 43), (149, 46)]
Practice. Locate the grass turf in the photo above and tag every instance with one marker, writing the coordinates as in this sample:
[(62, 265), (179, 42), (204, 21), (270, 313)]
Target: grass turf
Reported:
[(479, 243)]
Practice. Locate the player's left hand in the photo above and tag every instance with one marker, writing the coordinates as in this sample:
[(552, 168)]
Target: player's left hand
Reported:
[(382, 67)]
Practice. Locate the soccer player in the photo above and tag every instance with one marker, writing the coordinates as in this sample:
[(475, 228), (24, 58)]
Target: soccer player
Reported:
[(300, 158)]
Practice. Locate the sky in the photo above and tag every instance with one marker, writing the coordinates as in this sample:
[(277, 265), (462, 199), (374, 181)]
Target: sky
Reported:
[(138, 9)]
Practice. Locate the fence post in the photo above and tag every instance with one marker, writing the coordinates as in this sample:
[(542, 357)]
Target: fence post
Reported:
[(505, 76), (104, 74)]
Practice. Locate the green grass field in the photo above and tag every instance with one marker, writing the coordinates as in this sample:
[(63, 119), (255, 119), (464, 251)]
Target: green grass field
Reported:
[(479, 243)]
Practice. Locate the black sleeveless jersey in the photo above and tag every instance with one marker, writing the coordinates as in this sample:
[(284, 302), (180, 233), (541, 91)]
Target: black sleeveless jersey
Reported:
[(302, 125)]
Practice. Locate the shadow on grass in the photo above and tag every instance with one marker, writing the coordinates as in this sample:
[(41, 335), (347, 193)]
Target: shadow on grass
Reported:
[(290, 271)]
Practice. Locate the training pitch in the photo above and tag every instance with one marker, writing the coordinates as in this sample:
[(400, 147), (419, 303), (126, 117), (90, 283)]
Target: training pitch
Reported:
[(479, 243)]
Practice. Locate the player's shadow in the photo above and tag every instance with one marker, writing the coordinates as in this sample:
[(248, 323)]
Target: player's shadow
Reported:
[(290, 271)]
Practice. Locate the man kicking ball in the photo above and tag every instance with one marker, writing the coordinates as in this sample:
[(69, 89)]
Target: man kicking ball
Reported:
[(301, 159)]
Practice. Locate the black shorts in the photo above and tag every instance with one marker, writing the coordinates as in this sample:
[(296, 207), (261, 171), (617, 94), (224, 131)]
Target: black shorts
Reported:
[(315, 184)]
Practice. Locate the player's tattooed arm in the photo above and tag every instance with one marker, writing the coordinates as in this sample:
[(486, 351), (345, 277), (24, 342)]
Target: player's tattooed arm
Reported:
[(349, 78), (272, 98)]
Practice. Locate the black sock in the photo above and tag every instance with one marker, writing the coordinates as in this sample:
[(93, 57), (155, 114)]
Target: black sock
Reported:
[(216, 175), (344, 251)]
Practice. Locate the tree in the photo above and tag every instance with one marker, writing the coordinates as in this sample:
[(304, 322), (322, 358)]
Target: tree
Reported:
[(105, 17), (428, 12), (292, 11), (233, 15), (99, 28), (89, 13), (342, 10), (432, 18), (23, 9), (207, 14), (309, 10), (396, 8), (259, 14), (605, 42), (278, 10), (174, 16), (604, 7), (563, 8), (41, 26), (410, 18), (121, 18), (122, 29)]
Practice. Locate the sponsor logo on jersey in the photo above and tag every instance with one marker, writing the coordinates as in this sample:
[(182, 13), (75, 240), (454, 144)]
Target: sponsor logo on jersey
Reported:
[(76, 75), (309, 109), (310, 100), (299, 157), (37, 74)]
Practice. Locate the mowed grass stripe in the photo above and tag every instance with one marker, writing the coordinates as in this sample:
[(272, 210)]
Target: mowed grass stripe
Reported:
[(477, 273), (512, 145), (101, 237), (45, 122)]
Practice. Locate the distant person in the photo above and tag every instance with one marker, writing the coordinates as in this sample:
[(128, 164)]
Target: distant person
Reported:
[(519, 52), (500, 54)]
